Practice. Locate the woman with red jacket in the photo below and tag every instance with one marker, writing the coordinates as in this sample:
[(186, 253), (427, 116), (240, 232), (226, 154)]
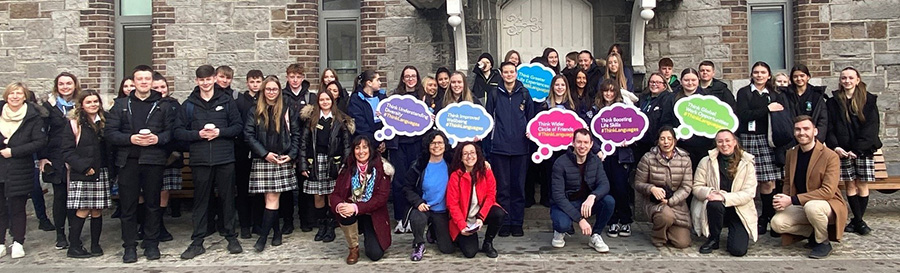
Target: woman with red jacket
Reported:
[(470, 178), (359, 200)]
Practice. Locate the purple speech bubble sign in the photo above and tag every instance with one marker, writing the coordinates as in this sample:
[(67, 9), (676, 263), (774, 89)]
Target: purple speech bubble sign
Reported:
[(617, 125), (403, 115)]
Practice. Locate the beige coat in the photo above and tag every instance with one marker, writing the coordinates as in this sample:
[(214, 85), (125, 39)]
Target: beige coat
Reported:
[(655, 171), (822, 177), (706, 180)]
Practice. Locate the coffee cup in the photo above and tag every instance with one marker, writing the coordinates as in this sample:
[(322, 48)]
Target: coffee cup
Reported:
[(209, 126), (144, 131)]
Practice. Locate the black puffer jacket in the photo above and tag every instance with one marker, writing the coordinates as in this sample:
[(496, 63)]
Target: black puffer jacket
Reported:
[(17, 177), (256, 135), (54, 123), (161, 121), (720, 90), (566, 180), (853, 135), (195, 113), (482, 85), (244, 102), (300, 100), (812, 104), (338, 145), (91, 152)]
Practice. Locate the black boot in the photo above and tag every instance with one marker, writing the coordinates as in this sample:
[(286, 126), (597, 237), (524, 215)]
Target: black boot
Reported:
[(767, 212), (321, 223), (330, 225), (269, 219), (276, 235), (861, 227), (96, 229), (711, 244), (853, 202), (488, 247), (164, 235), (76, 249)]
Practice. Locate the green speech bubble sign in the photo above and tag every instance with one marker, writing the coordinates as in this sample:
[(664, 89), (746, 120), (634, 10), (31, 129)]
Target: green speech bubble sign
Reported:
[(703, 116)]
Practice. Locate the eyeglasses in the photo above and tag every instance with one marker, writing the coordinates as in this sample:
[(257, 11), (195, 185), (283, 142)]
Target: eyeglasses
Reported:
[(437, 143), (272, 89), (472, 154), (656, 83)]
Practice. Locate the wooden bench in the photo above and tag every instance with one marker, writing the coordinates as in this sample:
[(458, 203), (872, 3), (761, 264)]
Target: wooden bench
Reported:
[(883, 182)]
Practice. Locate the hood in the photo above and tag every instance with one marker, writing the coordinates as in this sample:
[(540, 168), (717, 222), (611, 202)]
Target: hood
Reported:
[(219, 96), (307, 111), (304, 89), (489, 57), (154, 96)]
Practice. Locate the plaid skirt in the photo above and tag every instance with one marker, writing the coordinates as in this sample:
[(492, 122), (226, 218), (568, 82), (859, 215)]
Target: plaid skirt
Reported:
[(270, 177), (322, 186), (89, 194), (172, 179), (758, 146), (860, 169)]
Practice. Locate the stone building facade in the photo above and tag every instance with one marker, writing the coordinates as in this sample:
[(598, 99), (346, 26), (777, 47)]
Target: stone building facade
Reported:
[(40, 38)]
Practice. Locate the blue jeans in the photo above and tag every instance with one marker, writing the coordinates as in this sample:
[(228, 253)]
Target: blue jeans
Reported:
[(602, 209)]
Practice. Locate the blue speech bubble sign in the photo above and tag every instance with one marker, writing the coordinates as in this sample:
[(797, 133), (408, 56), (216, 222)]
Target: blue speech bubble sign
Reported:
[(403, 115), (536, 78), (464, 121)]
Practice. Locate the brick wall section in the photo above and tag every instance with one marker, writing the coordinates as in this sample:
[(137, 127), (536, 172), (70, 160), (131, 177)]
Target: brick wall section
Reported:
[(809, 32), (99, 51), (163, 51), (304, 48), (735, 35), (372, 45)]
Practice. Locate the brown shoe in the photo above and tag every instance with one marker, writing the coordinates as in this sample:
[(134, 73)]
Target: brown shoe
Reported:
[(353, 256)]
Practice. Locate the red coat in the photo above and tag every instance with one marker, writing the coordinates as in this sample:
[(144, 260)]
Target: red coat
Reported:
[(376, 207), (459, 194)]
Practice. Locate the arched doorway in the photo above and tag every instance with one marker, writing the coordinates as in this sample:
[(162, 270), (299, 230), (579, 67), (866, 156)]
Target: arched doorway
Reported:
[(529, 26)]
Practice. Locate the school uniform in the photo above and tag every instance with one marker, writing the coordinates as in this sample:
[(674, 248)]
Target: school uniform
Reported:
[(265, 176), (511, 109), (249, 208)]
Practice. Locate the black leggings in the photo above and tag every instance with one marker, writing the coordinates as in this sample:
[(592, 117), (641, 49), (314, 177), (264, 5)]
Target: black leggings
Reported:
[(373, 249), (12, 216), (738, 238), (468, 245), (440, 226)]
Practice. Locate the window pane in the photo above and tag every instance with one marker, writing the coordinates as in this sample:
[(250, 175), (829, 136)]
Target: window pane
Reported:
[(343, 49), (340, 4), (135, 7), (136, 47), (767, 36)]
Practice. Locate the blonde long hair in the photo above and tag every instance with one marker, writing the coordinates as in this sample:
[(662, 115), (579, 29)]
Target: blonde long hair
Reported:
[(566, 98), (620, 75), (262, 115), (466, 94)]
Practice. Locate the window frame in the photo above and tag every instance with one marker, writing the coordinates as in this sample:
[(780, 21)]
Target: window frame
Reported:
[(121, 23), (787, 15), (337, 15)]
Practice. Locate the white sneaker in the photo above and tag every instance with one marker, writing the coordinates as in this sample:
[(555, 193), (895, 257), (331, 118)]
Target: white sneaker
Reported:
[(400, 227), (559, 239), (408, 228), (598, 244), (2, 251), (17, 251)]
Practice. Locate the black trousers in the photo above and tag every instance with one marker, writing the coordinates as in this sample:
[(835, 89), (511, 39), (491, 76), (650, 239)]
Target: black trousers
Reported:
[(205, 178), (244, 202), (468, 245), (719, 216), (60, 212), (12, 216), (372, 248), (440, 226), (136, 180)]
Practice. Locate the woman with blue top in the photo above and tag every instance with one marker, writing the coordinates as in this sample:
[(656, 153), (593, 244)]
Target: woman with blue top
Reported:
[(425, 189)]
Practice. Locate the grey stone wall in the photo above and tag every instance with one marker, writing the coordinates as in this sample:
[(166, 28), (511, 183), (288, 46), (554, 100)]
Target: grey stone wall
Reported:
[(417, 37)]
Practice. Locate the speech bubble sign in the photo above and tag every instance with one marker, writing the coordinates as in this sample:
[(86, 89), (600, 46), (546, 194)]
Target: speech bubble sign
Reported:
[(552, 130), (464, 121), (703, 116), (536, 78), (403, 115), (618, 124)]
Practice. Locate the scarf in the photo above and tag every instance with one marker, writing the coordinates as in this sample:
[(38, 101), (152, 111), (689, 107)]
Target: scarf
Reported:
[(10, 120), (362, 184), (64, 105)]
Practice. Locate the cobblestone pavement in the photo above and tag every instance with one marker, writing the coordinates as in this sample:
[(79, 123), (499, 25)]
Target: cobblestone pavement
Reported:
[(878, 252)]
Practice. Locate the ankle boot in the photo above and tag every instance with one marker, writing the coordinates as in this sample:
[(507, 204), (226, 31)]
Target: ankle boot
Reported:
[(268, 221), (351, 234), (96, 230), (76, 249), (329, 230)]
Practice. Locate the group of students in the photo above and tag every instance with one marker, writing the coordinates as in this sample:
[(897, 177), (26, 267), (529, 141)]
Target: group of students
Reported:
[(251, 154)]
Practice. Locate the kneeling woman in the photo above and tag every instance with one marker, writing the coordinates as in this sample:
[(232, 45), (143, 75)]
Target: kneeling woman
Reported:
[(472, 201), (724, 188), (88, 157), (359, 200), (664, 179), (272, 131), (425, 189)]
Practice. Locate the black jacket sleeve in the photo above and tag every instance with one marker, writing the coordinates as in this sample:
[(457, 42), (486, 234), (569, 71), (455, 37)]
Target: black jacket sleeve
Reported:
[(234, 121), (114, 123), (250, 134)]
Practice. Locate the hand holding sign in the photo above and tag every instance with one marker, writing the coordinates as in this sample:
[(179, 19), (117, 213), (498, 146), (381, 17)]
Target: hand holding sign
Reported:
[(703, 116), (464, 121), (552, 131), (536, 78), (618, 124), (403, 115)]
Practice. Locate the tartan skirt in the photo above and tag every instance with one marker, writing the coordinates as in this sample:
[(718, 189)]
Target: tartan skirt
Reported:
[(172, 179), (322, 186), (764, 161), (860, 169), (270, 177), (89, 194)]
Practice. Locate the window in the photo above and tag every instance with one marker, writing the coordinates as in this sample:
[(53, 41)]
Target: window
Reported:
[(134, 37), (770, 34), (339, 40)]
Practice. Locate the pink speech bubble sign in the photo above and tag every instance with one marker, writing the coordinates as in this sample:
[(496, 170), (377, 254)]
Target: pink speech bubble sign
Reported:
[(552, 130)]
